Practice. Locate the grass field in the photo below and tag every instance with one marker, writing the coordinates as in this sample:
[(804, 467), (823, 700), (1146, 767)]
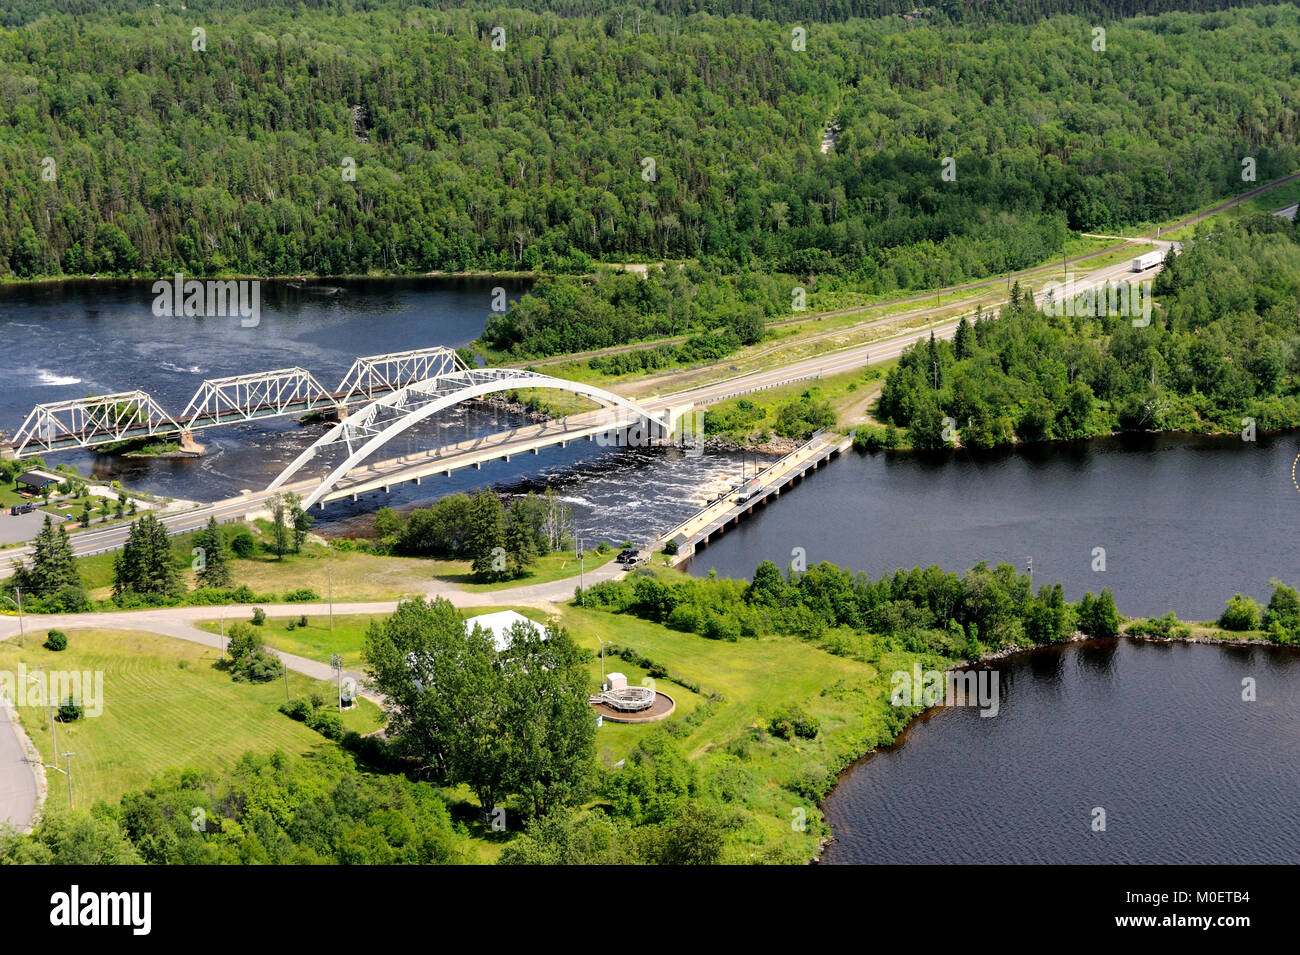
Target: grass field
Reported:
[(548, 568), (315, 641), (355, 575), (165, 706), (748, 681)]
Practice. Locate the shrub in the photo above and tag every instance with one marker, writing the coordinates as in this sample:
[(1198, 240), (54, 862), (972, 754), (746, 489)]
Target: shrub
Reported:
[(259, 616), (293, 625), (242, 544), (791, 721), (249, 661), (56, 640), (301, 595), (1242, 613), (684, 617), (70, 710), (326, 722), (302, 620), (297, 708)]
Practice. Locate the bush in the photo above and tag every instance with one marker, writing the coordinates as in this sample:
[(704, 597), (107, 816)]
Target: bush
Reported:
[(302, 620), (1242, 613), (56, 640), (293, 625), (326, 722), (297, 708), (301, 595), (791, 721), (242, 544), (70, 710), (259, 616), (249, 661)]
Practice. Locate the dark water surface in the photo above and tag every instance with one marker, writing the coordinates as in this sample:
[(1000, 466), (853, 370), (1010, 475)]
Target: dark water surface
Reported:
[(1156, 735), (1184, 522), (68, 340)]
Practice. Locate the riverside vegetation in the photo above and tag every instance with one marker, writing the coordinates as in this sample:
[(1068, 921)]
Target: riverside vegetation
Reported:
[(781, 683), (1219, 355)]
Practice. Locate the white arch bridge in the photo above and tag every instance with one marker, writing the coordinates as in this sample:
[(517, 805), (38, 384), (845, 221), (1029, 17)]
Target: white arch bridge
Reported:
[(364, 432)]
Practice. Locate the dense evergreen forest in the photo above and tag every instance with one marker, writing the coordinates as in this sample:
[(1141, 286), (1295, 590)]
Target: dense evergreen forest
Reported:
[(235, 158), (1220, 348), (17, 12)]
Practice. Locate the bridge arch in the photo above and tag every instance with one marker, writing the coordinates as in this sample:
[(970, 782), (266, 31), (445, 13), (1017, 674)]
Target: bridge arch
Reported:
[(385, 418)]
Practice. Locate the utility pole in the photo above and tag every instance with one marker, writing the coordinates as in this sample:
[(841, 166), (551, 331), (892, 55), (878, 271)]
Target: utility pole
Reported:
[(330, 570), (286, 681), (336, 662), (69, 755), (223, 630), (1031, 576), (54, 736), (22, 630), (581, 586), (602, 663)]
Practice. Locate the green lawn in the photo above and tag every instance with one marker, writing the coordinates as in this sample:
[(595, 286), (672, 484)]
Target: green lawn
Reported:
[(315, 641), (750, 679), (548, 568), (165, 706)]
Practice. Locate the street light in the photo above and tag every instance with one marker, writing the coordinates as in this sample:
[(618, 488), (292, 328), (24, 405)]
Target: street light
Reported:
[(602, 663), (336, 662)]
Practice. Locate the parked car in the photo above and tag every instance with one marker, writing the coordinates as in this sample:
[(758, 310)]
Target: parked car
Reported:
[(21, 509)]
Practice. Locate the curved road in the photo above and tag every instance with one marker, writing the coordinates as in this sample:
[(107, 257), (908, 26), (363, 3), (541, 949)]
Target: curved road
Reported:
[(18, 786)]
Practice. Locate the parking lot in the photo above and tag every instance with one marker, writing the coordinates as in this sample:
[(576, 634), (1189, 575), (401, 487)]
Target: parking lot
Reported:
[(23, 527)]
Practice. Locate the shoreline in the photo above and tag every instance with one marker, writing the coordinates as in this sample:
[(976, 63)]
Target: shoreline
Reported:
[(1004, 653)]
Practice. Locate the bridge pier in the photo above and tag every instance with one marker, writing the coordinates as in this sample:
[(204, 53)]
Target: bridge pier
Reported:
[(189, 445)]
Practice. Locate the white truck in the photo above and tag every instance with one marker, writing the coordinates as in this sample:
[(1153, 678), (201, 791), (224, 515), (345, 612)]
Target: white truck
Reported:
[(1148, 260)]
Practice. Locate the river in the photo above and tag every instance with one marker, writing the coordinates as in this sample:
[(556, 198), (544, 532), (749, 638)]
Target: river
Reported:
[(1157, 736), (1182, 522)]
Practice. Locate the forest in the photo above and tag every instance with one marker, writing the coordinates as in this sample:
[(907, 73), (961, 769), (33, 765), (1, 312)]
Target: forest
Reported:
[(1218, 355), (384, 138)]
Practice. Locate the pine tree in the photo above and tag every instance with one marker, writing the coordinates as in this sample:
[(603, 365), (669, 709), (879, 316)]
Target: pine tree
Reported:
[(53, 565), (145, 565), (521, 546), (215, 570), (486, 540), (962, 340)]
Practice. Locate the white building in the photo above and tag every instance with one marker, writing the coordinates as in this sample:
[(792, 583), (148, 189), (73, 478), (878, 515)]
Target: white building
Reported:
[(499, 624)]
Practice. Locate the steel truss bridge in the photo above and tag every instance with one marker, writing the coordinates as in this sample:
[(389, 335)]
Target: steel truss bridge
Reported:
[(368, 430), (129, 415), (396, 391)]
